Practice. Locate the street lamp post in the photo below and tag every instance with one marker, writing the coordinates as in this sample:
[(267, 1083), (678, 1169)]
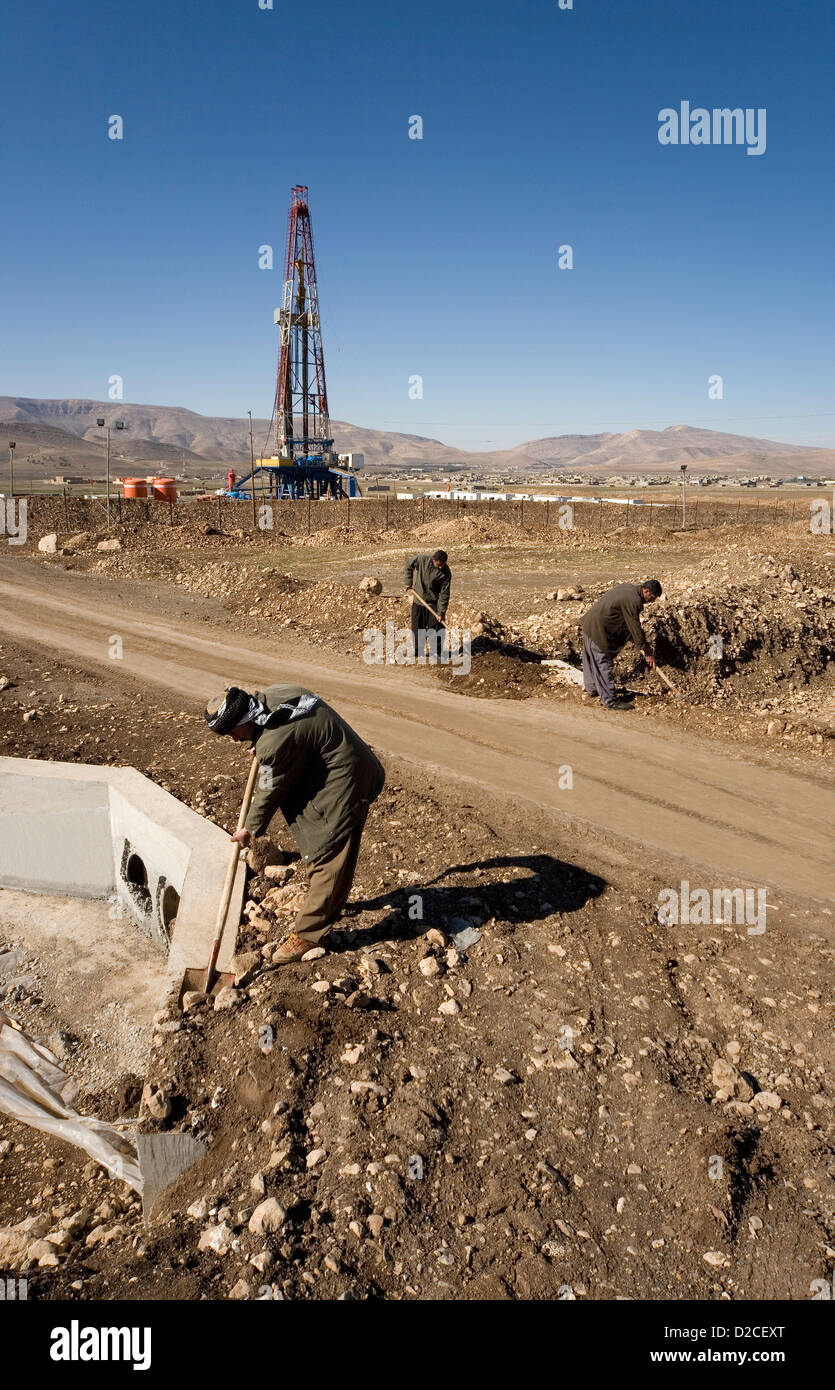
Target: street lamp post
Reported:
[(12, 447), (683, 495), (251, 467), (120, 425)]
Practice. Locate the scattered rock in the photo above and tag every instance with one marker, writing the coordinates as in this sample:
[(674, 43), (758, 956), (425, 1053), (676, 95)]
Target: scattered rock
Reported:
[(268, 1217), (364, 1087), (279, 874), (227, 998), (244, 965), (217, 1239), (157, 1101), (766, 1100), (192, 998)]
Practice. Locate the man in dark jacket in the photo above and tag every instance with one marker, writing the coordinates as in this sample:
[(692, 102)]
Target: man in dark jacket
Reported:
[(606, 627), (318, 772), (430, 577)]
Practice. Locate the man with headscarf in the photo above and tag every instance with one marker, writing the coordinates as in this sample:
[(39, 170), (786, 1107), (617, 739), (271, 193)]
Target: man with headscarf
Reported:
[(323, 778)]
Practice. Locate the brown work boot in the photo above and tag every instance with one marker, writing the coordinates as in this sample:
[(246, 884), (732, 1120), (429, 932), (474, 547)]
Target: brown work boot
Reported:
[(292, 948)]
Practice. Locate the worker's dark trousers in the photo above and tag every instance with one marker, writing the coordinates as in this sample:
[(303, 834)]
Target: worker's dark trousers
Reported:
[(423, 623), (598, 673), (331, 880)]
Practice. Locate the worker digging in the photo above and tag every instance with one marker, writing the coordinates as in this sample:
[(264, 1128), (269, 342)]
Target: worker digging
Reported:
[(320, 774), (428, 580), (606, 627)]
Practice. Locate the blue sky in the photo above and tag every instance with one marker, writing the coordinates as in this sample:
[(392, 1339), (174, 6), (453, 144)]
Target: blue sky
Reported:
[(438, 256)]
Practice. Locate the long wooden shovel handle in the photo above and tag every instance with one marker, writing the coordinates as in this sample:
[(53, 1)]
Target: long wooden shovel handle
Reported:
[(666, 680), (231, 871), (417, 598)]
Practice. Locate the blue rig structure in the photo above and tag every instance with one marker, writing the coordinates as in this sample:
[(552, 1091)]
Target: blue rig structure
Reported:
[(307, 476)]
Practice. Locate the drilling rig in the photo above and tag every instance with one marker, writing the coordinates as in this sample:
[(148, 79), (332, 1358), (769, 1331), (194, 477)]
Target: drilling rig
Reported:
[(304, 464)]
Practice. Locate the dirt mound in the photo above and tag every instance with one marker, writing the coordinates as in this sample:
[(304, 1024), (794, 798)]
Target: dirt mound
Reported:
[(470, 530), (743, 629), (332, 537)]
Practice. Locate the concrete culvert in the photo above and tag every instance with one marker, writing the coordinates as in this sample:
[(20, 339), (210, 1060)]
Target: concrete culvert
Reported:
[(169, 906), (136, 877)]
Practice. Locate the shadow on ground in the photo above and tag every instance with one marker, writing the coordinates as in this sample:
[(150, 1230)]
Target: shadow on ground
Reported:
[(549, 886)]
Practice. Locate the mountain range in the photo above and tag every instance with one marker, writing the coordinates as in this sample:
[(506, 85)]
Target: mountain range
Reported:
[(63, 434)]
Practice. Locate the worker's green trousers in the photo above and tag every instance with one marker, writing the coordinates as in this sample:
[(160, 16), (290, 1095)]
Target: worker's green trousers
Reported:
[(331, 880)]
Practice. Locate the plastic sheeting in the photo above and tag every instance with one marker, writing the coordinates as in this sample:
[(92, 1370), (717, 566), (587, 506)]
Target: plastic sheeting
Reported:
[(35, 1091)]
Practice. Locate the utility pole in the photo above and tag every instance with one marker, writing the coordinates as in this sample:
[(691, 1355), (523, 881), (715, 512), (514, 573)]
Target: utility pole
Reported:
[(683, 495), (12, 447), (252, 469), (120, 425)]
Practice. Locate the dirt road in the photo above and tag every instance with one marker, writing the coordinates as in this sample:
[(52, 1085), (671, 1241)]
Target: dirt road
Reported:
[(683, 798)]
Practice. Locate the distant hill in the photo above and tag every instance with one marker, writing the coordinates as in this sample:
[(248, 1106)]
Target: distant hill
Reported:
[(64, 432), (44, 449)]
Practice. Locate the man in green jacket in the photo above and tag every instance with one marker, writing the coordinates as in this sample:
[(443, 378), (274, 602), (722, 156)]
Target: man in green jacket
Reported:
[(323, 778), (430, 577)]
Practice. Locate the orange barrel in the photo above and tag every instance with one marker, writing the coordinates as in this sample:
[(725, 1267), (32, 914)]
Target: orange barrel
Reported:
[(134, 487), (163, 490)]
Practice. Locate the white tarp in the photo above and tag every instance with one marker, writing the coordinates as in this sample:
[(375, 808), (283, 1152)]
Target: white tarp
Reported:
[(35, 1091)]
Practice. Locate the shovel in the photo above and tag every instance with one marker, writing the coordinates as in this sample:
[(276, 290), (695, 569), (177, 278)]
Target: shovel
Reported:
[(410, 593), (207, 980), (674, 688), (163, 1157)]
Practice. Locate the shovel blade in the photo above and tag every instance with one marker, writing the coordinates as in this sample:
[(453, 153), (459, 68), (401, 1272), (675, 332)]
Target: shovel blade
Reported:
[(195, 979)]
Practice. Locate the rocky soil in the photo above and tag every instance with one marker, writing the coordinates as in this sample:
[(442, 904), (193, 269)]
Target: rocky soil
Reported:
[(505, 1079), (746, 625)]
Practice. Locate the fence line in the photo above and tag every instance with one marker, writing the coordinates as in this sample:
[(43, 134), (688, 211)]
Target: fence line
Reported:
[(364, 517)]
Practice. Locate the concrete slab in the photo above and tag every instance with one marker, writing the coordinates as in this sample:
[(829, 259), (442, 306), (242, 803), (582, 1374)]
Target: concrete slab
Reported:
[(84, 830)]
